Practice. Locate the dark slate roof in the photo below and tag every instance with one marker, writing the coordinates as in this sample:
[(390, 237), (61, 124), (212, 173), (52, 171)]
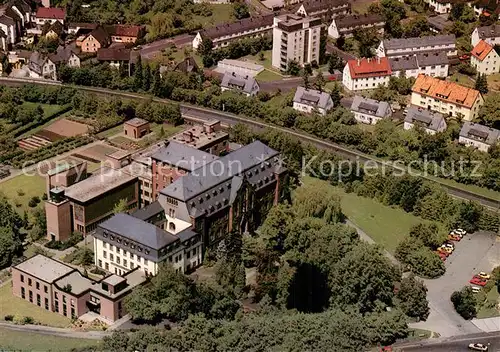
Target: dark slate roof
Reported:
[(149, 211), (232, 80), (371, 106), (113, 54), (187, 65), (241, 26), (409, 43), (222, 170), (138, 230), (312, 6), (186, 234), (433, 59), (425, 118), (357, 20), (404, 63), (311, 97), (183, 156), (100, 35), (479, 132), (492, 31), (63, 53)]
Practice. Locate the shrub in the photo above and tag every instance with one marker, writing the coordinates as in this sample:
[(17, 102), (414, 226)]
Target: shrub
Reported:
[(44, 196), (464, 302), (28, 320), (20, 192), (9, 317), (32, 203)]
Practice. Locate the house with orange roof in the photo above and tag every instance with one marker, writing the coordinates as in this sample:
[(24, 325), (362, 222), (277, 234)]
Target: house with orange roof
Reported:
[(361, 74), (447, 98), (484, 58)]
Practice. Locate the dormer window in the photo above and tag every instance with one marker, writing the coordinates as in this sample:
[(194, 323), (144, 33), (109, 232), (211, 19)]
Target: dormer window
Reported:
[(111, 237), (139, 249), (146, 251), (214, 192)]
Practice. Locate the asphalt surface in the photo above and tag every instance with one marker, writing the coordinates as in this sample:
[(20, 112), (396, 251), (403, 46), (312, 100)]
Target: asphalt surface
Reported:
[(149, 51), (456, 344)]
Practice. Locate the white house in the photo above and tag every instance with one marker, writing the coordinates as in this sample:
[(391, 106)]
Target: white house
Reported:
[(485, 59), (431, 64), (346, 25), (432, 122), (490, 34), (366, 73), (243, 84), (370, 111), (40, 66), (399, 47), (308, 100), (478, 136), (50, 14)]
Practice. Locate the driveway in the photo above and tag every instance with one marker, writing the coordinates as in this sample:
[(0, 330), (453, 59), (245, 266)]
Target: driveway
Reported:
[(477, 252)]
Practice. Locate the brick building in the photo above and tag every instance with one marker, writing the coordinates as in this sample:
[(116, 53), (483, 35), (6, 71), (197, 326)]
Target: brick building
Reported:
[(208, 137), (136, 128)]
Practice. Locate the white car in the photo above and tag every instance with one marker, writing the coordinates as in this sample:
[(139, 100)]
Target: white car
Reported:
[(461, 232), (476, 289), (478, 347), (449, 245)]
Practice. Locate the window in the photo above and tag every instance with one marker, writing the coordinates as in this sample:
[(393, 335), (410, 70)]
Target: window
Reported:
[(38, 300), (56, 306), (46, 303), (125, 262), (117, 260), (138, 259), (29, 282), (100, 263), (106, 266), (131, 265), (132, 256), (64, 299), (65, 311), (23, 293), (37, 285), (72, 301), (45, 289), (145, 261), (104, 245), (72, 312), (22, 278), (104, 255), (111, 257), (31, 296), (117, 250)]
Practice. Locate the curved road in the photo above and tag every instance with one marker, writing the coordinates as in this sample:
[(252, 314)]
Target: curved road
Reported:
[(191, 112)]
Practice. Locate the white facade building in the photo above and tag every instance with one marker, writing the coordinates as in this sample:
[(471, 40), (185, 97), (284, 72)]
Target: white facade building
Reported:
[(485, 59), (490, 34), (431, 122), (433, 64), (309, 100), (399, 47), (478, 136), (346, 25), (365, 73), (370, 111), (295, 38)]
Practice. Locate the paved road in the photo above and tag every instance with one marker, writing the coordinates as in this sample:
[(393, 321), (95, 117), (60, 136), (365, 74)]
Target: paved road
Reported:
[(47, 330), (195, 113), (149, 51), (455, 344)]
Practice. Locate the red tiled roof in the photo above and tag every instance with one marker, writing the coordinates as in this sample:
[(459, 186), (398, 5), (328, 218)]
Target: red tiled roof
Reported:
[(375, 67), (124, 30), (51, 12), (481, 50)]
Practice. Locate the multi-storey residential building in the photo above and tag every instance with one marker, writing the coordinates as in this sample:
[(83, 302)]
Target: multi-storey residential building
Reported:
[(370, 111), (366, 73), (309, 100), (57, 287), (485, 59), (246, 85), (224, 34), (49, 14), (478, 136), (346, 25), (232, 193), (431, 64), (208, 137), (40, 66), (173, 161), (490, 34), (422, 45), (431, 122), (295, 38), (326, 9), (448, 98)]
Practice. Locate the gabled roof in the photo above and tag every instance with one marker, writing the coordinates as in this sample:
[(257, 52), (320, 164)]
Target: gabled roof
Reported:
[(423, 117), (357, 20), (376, 67), (149, 211), (100, 35), (238, 27), (113, 54), (123, 30), (481, 50), (445, 91), (409, 43), (480, 133), (311, 97), (51, 13), (313, 6), (492, 31), (138, 231), (235, 81), (371, 107), (63, 53)]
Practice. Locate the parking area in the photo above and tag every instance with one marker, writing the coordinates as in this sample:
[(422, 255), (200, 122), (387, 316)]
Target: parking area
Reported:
[(475, 253)]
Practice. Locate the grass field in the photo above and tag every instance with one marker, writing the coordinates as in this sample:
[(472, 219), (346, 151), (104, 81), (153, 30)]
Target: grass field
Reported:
[(268, 76), (461, 79), (471, 188), (9, 304), (30, 185), (48, 109), (267, 62), (11, 340), (220, 14), (385, 225), (110, 132), (489, 308)]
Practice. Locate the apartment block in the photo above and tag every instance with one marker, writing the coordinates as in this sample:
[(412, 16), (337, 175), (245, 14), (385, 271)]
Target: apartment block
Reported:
[(478, 136), (326, 9), (490, 34), (399, 47), (346, 25), (370, 111), (430, 121), (365, 73), (295, 38), (447, 98), (485, 59), (431, 64)]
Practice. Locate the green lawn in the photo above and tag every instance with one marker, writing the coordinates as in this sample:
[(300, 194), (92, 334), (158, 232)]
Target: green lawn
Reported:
[(11, 340), (461, 79), (268, 76), (48, 109), (110, 132), (267, 62), (30, 185), (385, 225), (488, 309), (220, 14), (471, 188), (12, 305)]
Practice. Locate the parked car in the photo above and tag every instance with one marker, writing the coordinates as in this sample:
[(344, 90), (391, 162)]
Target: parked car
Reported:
[(456, 238), (478, 347), (464, 57), (483, 275), (445, 249), (475, 289), (478, 281), (449, 245), (461, 232)]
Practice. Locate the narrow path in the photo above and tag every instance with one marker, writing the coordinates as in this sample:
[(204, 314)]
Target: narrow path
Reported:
[(48, 330)]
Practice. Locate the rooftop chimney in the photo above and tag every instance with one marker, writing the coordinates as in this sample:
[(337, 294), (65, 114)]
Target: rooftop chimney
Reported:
[(188, 136), (359, 62)]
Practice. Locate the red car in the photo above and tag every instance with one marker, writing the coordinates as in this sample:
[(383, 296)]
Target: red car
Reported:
[(478, 281), (443, 256), (455, 238), (464, 57), (386, 349)]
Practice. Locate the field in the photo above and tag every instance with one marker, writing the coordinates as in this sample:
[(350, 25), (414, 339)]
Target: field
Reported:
[(67, 128), (268, 76), (9, 304), (385, 225), (11, 340), (489, 308), (461, 79), (98, 152), (267, 62), (220, 14), (110, 132), (30, 185)]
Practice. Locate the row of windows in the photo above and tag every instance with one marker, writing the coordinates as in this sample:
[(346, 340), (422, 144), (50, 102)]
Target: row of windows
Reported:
[(119, 259), (37, 284), (124, 242), (119, 271), (38, 298)]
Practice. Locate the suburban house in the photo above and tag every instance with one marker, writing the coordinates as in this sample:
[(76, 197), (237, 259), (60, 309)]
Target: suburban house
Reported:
[(209, 137), (52, 30), (295, 38), (187, 66), (75, 28), (120, 33), (366, 73), (370, 111), (326, 9), (310, 100), (478, 136), (41, 66), (490, 34), (116, 57), (224, 34), (50, 14), (486, 7), (57, 287), (438, 24), (346, 25), (448, 98), (432, 64), (67, 55), (431, 122), (243, 84), (485, 59), (399, 47), (95, 40)]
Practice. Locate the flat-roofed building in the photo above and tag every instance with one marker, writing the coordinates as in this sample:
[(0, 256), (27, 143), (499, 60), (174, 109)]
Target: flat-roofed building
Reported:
[(485, 59), (478, 136), (309, 100), (430, 121), (346, 25), (136, 128), (209, 137), (364, 73), (57, 287), (398, 47), (447, 98), (240, 67), (370, 111)]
